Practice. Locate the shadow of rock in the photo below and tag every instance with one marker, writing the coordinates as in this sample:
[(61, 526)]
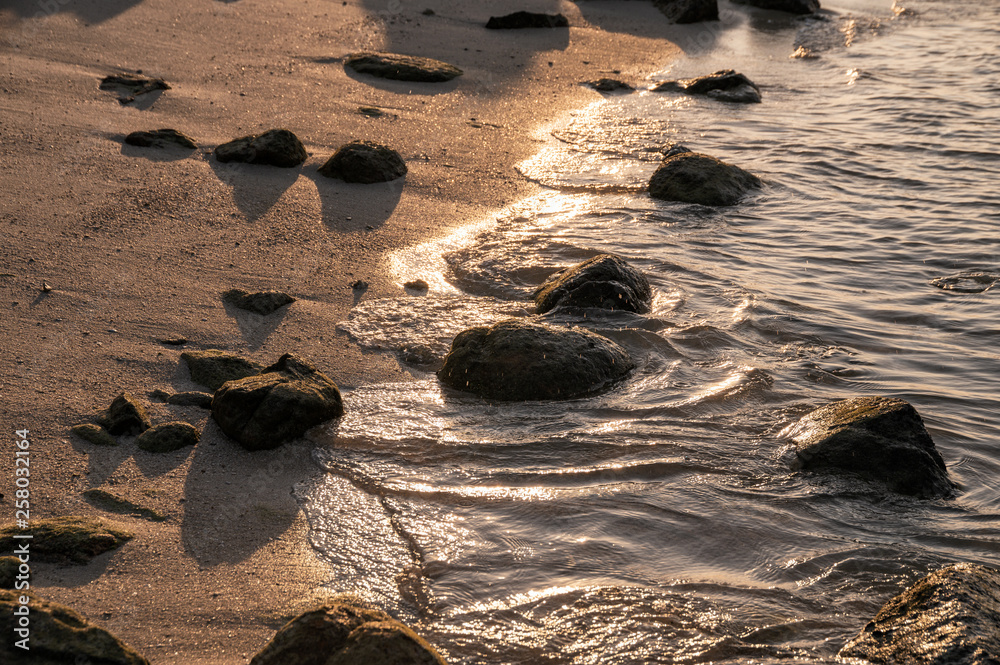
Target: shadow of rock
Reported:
[(254, 327), (91, 12), (256, 188), (398, 87), (351, 207), (171, 154)]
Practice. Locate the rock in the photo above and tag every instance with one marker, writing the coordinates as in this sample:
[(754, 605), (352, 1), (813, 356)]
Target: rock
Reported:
[(692, 177), (725, 85), (276, 147), (519, 20), (791, 6), (58, 636), (161, 138), (804, 53), (130, 86), (115, 504), (364, 162), (689, 11), (418, 285), (168, 437), (605, 282), (878, 438), (279, 404), (522, 360), (610, 85), (211, 368), (9, 566), (173, 341), (94, 434), (65, 539), (402, 67), (340, 634), (190, 398), (125, 416), (263, 302), (950, 617), (371, 111)]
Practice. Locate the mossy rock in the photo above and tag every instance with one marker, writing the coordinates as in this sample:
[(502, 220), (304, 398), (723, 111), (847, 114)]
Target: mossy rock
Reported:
[(65, 540), (125, 416), (168, 437), (8, 571), (94, 434), (115, 504), (212, 367)]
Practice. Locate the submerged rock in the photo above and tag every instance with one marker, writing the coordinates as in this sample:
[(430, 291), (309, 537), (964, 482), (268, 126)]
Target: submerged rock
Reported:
[(263, 302), (402, 67), (877, 438), (168, 437), (211, 368), (161, 138), (58, 636), (522, 360), (791, 6), (279, 404), (725, 85), (950, 617), (94, 434), (689, 11), (65, 539), (275, 147), (130, 86), (692, 177), (604, 281), (364, 162), (519, 20), (610, 85), (125, 416), (340, 634)]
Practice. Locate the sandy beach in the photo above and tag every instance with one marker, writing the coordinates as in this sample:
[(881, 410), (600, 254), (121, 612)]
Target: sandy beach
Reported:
[(138, 244)]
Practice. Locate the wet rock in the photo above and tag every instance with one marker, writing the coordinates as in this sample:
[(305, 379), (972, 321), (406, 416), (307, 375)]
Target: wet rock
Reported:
[(364, 162), (9, 566), (418, 285), (420, 355), (341, 634), (791, 6), (402, 67), (130, 86), (610, 85), (211, 368), (519, 20), (692, 177), (605, 282), (689, 11), (115, 504), (877, 438), (58, 636), (263, 302), (950, 617), (94, 434), (66, 540), (725, 85), (276, 147), (161, 138), (125, 416), (279, 404), (168, 437), (522, 360)]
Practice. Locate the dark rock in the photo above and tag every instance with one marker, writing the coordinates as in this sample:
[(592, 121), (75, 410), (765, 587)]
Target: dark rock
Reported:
[(279, 404), (129, 86), (675, 149), (878, 438), (522, 360), (804, 53), (950, 617), (691, 177), (65, 540), (791, 6), (211, 368), (605, 281), (168, 437), (161, 138), (341, 634), (115, 504), (94, 434), (417, 285), (689, 11), (725, 85), (125, 416), (9, 566), (519, 20), (371, 111), (610, 85), (263, 303), (364, 162), (402, 67), (58, 636), (173, 341), (191, 398), (276, 147)]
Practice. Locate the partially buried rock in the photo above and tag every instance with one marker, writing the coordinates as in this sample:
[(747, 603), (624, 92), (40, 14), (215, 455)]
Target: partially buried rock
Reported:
[(211, 368), (190, 398), (880, 439), (519, 20), (950, 617), (263, 302), (125, 416), (58, 636), (402, 67), (689, 11), (276, 147), (610, 85), (791, 6), (129, 86), (522, 360), (94, 434), (65, 540), (278, 405), (725, 85), (364, 162), (161, 138), (341, 634), (168, 437), (605, 282), (692, 177)]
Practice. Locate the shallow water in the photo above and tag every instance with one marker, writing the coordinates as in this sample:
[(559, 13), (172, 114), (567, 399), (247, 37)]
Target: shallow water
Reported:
[(661, 522)]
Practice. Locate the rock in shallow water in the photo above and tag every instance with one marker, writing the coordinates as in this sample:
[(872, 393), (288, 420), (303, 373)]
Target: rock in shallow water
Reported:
[(522, 360), (276, 147), (725, 85), (689, 11), (692, 177), (519, 20), (364, 162), (402, 67), (791, 6), (605, 282)]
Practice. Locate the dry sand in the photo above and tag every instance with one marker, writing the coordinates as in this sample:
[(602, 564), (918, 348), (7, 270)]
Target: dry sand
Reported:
[(137, 245)]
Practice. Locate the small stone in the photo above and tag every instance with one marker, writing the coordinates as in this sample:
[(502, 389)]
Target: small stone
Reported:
[(402, 67), (605, 282), (610, 85), (191, 398), (130, 86), (168, 437), (125, 416), (46, 288), (417, 285), (364, 162), (520, 20), (212, 368), (263, 303), (65, 540), (360, 285), (94, 434), (276, 147), (725, 85), (173, 341), (161, 138)]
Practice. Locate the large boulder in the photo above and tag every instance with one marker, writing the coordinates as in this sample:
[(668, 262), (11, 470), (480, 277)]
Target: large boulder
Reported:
[(365, 162), (402, 67), (279, 404), (275, 147), (212, 367), (57, 635), (791, 6), (689, 11), (725, 85), (691, 177), (168, 437), (521, 360), (519, 20), (65, 540), (605, 281), (881, 439), (950, 617), (342, 634), (125, 416)]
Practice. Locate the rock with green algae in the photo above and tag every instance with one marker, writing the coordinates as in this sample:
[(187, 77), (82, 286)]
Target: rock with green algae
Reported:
[(212, 367), (8, 571), (115, 504), (168, 437), (94, 434), (125, 416), (58, 636), (65, 540)]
